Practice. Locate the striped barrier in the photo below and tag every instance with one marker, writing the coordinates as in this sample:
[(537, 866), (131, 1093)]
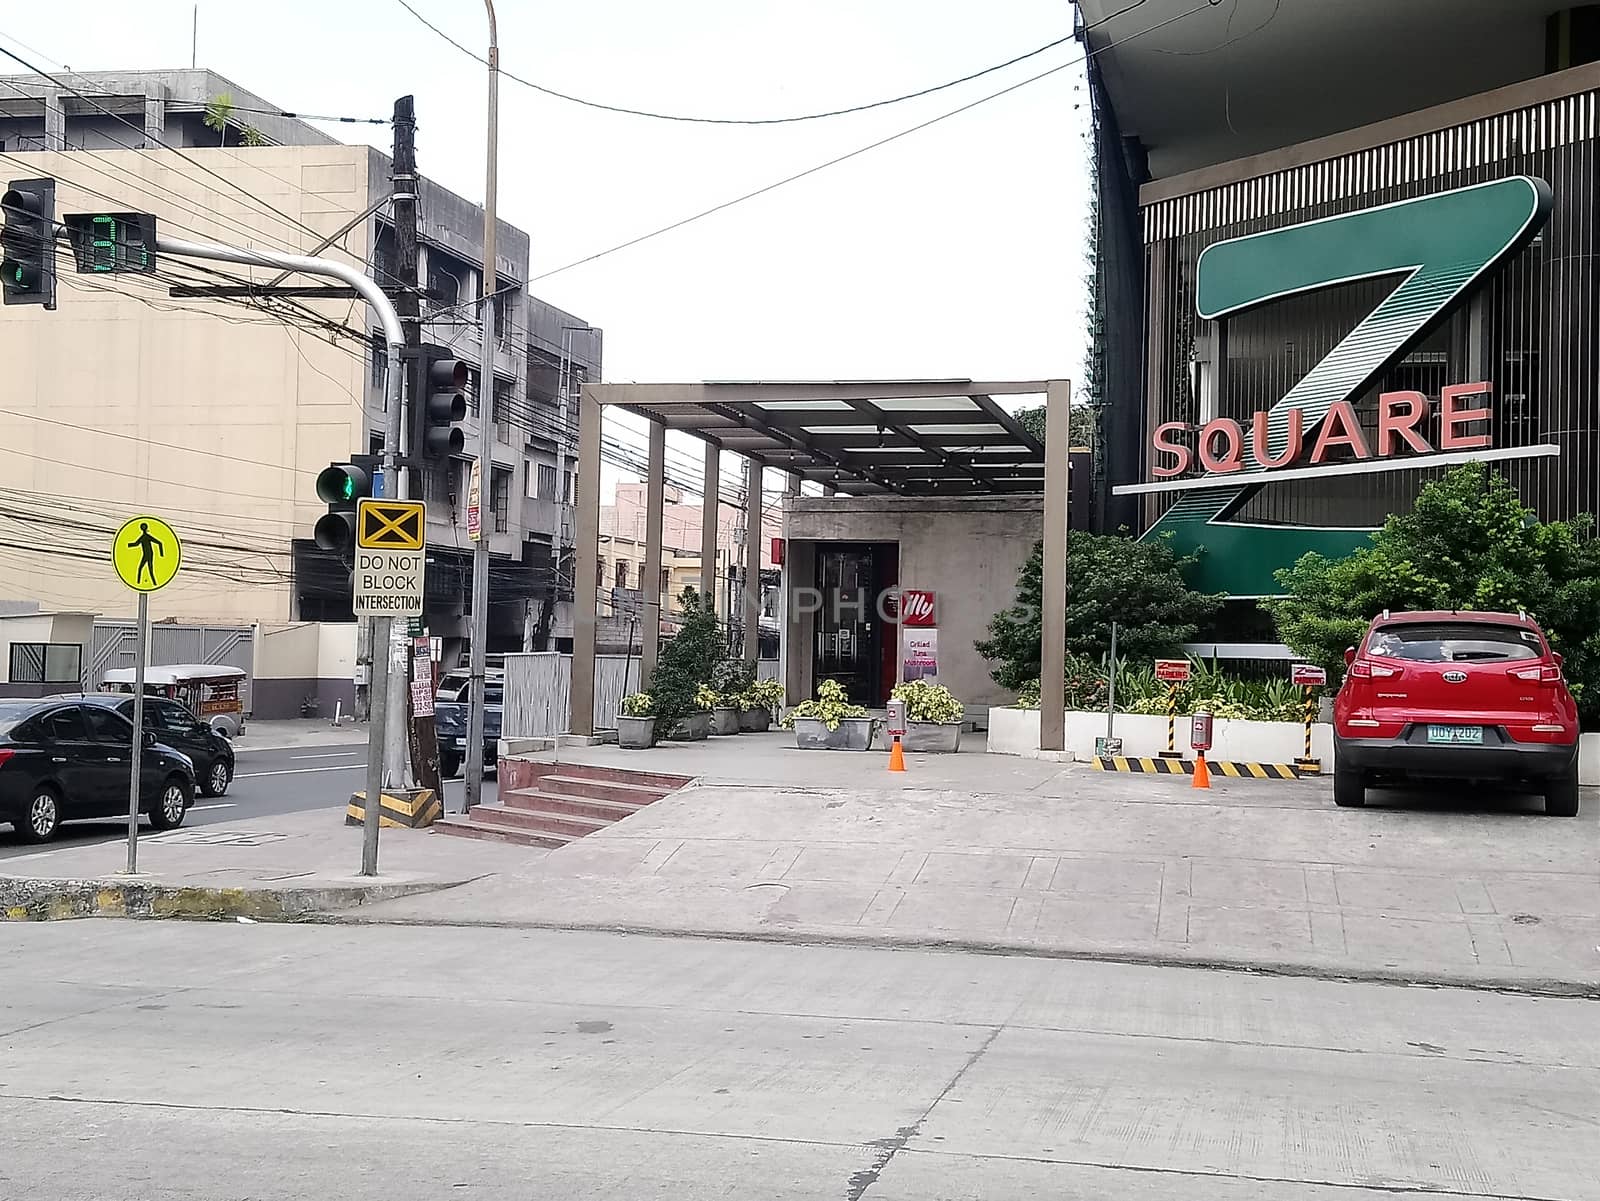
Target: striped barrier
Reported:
[(1185, 767), (420, 808)]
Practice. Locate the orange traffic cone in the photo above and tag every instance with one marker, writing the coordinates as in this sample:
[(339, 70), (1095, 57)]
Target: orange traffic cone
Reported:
[(1202, 773), (897, 757)]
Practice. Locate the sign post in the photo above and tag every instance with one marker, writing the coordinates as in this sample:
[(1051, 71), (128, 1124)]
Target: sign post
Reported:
[(146, 554), (1308, 677), (391, 537), (1172, 672)]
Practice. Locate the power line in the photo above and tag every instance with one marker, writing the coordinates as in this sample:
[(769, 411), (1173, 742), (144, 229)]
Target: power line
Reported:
[(870, 146), (791, 120)]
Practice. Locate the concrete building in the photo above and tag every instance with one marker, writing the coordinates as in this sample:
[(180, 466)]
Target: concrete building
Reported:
[(1351, 216), (217, 414)]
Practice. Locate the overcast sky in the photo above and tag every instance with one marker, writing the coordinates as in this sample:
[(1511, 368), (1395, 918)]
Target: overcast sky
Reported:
[(956, 251)]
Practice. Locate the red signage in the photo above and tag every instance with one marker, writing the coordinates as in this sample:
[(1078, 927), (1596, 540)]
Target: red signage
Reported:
[(918, 608), (1221, 444), (1172, 671), (1305, 675), (777, 552)]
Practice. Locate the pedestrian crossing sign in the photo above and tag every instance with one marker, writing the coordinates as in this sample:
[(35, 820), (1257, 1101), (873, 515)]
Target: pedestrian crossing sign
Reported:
[(146, 553)]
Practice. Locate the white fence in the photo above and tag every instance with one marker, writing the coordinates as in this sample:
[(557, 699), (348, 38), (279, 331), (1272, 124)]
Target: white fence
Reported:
[(538, 691)]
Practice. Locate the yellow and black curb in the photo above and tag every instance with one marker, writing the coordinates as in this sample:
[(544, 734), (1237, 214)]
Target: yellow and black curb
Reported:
[(1185, 767), (28, 900), (411, 811)]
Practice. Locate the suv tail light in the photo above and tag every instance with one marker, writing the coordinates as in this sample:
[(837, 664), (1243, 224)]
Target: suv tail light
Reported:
[(1543, 674), (1361, 669)]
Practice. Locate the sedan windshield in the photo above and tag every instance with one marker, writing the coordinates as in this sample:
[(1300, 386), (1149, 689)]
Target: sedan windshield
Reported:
[(1455, 642)]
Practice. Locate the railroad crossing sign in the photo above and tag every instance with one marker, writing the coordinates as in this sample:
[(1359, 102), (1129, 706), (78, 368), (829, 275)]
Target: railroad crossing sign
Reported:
[(146, 553), (391, 524), (390, 539)]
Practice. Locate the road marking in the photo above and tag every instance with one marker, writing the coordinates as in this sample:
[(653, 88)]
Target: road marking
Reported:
[(300, 771), (360, 750), (220, 805)]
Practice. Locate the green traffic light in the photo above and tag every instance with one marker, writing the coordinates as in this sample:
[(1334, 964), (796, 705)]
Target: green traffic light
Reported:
[(348, 491)]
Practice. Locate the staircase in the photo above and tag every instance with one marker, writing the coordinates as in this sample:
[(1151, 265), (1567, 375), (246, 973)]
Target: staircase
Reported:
[(550, 804)]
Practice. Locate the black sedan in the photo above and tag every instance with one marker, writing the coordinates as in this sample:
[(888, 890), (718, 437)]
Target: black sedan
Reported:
[(66, 760), (174, 726)]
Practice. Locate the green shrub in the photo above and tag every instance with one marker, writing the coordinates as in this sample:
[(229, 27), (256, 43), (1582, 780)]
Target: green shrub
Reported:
[(831, 707), (1210, 688), (762, 694), (638, 704), (686, 662), (926, 701)]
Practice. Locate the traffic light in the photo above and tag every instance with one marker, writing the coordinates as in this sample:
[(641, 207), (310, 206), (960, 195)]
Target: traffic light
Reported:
[(340, 486), (112, 243), (28, 273), (439, 402)]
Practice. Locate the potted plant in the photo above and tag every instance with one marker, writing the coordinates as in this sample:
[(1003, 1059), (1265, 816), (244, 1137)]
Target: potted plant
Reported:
[(695, 724), (731, 677), (933, 716), (636, 725), (758, 705), (724, 713), (682, 670), (831, 722)]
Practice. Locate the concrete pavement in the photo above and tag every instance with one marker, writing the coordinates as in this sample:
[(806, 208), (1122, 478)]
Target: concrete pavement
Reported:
[(163, 1060), (1059, 859)]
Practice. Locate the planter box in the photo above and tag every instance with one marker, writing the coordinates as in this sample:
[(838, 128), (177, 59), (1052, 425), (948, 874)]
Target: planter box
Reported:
[(932, 737), (692, 728), (853, 734), (755, 721), (636, 733), (724, 720)]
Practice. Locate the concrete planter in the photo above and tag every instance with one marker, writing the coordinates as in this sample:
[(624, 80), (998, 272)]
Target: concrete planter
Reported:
[(755, 721), (853, 734), (932, 737), (692, 728), (636, 733), (725, 720)]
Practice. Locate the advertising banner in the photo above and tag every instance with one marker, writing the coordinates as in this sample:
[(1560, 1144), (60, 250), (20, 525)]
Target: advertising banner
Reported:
[(919, 653)]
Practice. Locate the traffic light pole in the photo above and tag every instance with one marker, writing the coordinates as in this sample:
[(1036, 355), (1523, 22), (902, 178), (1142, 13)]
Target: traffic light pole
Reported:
[(383, 667), (480, 551)]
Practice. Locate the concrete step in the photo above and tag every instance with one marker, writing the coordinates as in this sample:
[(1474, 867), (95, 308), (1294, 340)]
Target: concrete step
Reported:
[(604, 790), (541, 821), (663, 781), (591, 807), (459, 827)]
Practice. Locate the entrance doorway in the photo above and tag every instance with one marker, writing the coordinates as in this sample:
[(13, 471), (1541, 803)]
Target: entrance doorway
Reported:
[(855, 645)]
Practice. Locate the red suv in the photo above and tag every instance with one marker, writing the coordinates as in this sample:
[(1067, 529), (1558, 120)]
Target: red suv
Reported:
[(1465, 696)]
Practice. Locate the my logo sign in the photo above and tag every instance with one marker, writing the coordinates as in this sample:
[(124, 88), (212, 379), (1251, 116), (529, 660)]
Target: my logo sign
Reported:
[(917, 608)]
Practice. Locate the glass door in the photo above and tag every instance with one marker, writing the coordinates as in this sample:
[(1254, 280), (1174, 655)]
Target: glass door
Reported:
[(847, 647)]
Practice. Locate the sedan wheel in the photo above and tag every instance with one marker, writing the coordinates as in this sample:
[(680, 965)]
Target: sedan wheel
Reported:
[(42, 819), (218, 778), (172, 807)]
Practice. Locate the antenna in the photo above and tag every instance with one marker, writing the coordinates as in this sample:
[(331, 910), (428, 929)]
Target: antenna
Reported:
[(194, 40)]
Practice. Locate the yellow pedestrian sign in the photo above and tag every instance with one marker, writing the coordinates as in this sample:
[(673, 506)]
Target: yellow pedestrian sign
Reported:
[(390, 524), (146, 553)]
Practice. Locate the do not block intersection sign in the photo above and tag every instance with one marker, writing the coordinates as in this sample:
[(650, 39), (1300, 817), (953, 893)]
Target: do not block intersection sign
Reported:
[(390, 554)]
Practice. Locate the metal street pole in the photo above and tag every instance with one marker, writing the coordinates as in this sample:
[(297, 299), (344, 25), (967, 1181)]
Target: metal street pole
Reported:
[(140, 655), (394, 335), (480, 552)]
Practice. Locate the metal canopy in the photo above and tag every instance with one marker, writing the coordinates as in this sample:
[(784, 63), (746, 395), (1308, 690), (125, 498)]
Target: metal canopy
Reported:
[(913, 437)]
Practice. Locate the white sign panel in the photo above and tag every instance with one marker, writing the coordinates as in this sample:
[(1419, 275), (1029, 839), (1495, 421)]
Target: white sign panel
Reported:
[(919, 654), (388, 583)]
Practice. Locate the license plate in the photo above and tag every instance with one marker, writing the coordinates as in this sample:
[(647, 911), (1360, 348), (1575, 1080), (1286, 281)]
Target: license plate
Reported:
[(1455, 734)]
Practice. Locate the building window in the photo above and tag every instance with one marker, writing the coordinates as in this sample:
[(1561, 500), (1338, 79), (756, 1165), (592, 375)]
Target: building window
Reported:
[(547, 481), (46, 663), (500, 500), (666, 581), (622, 573), (505, 311), (472, 390), (380, 364), (502, 409), (570, 492), (444, 279)]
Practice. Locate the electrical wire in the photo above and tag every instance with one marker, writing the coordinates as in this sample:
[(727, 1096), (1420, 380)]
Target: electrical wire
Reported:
[(791, 120), (870, 146)]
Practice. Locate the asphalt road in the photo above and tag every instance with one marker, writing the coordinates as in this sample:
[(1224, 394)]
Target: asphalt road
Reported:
[(166, 1060), (266, 782)]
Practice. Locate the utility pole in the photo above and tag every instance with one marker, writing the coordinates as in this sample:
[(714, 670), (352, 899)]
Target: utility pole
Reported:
[(480, 552)]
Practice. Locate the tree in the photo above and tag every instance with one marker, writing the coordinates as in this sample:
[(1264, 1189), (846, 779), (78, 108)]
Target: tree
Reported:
[(219, 117), (1081, 424), (686, 662), (1468, 543), (1139, 585)]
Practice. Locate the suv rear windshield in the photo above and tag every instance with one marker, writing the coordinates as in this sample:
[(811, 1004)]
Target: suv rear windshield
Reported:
[(1455, 642)]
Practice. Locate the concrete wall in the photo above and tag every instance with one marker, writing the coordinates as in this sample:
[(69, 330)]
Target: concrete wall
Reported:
[(293, 662), (75, 628), (967, 551)]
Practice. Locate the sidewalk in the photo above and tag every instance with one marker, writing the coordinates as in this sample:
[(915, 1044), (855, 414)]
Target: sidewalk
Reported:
[(298, 732), (271, 868), (1052, 859)]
